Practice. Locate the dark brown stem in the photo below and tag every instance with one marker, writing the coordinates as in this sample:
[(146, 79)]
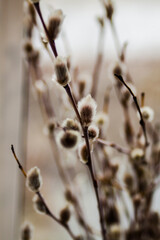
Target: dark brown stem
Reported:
[(70, 95), (18, 162), (113, 145), (48, 211), (142, 123), (95, 186), (51, 41), (89, 164)]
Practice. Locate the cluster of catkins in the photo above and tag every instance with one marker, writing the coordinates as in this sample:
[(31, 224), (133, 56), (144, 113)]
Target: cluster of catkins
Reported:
[(85, 135)]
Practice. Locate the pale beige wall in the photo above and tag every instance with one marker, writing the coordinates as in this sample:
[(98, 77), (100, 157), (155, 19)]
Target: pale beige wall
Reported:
[(10, 89)]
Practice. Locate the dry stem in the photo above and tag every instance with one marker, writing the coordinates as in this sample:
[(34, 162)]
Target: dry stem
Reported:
[(48, 211), (142, 123), (113, 145), (98, 63), (62, 173)]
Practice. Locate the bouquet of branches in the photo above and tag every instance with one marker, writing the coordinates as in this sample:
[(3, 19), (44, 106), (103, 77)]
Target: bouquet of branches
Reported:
[(123, 188)]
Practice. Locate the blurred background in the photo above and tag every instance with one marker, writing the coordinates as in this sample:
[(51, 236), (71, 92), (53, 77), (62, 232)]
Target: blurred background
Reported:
[(138, 23)]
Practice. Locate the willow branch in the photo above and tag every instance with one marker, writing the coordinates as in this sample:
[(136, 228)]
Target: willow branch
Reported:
[(98, 63), (116, 39), (113, 145), (48, 211), (51, 41), (89, 164), (62, 173), (142, 123)]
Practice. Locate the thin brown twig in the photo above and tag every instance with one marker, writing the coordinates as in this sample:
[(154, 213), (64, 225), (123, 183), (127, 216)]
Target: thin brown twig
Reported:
[(51, 41), (142, 123), (89, 164), (95, 185), (113, 145), (48, 211), (18, 162)]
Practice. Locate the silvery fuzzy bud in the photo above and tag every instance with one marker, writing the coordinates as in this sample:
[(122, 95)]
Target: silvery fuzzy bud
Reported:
[(147, 113), (70, 124), (61, 71), (109, 10), (26, 231), (31, 54), (40, 86), (115, 232), (137, 154), (87, 109), (83, 153), (101, 119), (84, 82), (49, 127), (69, 196), (93, 132), (65, 215), (34, 179), (101, 21), (68, 139), (119, 69), (28, 47), (54, 24), (38, 204)]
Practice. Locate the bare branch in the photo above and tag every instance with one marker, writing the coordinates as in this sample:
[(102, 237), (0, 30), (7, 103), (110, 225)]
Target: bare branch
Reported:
[(113, 145), (48, 211), (142, 123)]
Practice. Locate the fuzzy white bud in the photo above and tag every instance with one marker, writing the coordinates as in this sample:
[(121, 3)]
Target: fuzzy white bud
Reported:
[(115, 231), (49, 127), (41, 86), (34, 179), (83, 153), (93, 131), (38, 205), (61, 71), (70, 124), (55, 22), (101, 119), (87, 109), (68, 139), (84, 84), (137, 154), (65, 215), (147, 113), (26, 231)]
